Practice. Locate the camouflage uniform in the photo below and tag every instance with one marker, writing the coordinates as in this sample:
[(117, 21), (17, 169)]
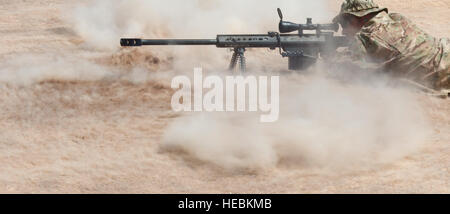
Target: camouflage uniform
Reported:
[(392, 43)]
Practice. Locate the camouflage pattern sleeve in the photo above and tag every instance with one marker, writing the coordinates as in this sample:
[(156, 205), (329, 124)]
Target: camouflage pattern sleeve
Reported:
[(353, 59), (444, 65)]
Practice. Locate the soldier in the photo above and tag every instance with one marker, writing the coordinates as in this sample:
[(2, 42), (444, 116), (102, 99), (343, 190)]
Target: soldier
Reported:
[(392, 43)]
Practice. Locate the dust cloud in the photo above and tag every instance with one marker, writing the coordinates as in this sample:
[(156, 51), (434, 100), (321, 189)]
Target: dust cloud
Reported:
[(102, 22), (28, 69), (323, 123)]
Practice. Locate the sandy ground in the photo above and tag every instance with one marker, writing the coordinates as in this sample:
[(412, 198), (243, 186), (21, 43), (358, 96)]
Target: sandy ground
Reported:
[(103, 136)]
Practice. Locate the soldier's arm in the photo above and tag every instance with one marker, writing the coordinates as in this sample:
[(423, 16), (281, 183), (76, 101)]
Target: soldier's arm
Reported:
[(354, 59)]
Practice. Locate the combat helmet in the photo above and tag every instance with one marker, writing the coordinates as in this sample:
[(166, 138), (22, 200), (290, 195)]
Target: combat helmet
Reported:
[(358, 8)]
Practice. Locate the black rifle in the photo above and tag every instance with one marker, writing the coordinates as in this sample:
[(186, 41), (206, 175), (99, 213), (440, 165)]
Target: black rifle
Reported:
[(301, 49)]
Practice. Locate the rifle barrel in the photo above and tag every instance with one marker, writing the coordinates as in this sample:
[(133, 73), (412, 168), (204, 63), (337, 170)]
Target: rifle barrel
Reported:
[(179, 42), (140, 42)]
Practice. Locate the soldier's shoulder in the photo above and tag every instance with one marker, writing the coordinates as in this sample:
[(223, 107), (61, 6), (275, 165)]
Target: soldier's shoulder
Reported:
[(374, 24)]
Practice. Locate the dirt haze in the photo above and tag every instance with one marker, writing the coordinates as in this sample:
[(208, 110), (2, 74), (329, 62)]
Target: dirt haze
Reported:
[(79, 115)]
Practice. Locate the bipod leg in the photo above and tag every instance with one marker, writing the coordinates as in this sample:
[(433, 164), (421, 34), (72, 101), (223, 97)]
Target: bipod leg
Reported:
[(238, 54), (242, 64), (233, 61)]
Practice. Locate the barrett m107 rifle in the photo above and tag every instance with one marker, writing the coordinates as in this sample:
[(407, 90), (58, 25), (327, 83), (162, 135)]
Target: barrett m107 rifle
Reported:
[(302, 49)]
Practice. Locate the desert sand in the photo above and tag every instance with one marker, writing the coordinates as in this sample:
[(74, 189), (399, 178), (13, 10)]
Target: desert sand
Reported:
[(75, 118)]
